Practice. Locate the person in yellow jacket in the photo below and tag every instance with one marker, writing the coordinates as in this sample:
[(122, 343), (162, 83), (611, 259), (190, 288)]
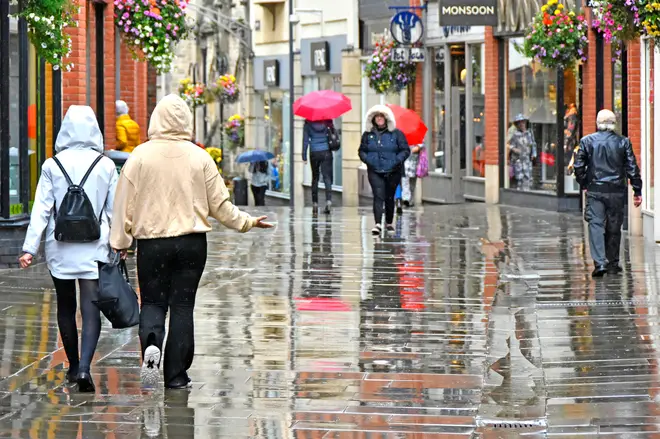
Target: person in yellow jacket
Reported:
[(128, 131)]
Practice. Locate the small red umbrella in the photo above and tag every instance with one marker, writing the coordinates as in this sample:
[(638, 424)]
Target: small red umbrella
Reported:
[(410, 123), (322, 105)]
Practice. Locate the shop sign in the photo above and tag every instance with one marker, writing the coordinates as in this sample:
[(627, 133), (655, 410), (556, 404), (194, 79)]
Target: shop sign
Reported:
[(453, 30), (516, 15), (403, 54), (407, 28), (272, 73), (468, 12), (320, 56)]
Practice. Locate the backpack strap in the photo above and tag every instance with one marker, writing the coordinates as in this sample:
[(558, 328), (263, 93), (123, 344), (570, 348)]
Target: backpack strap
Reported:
[(59, 165), (89, 171)]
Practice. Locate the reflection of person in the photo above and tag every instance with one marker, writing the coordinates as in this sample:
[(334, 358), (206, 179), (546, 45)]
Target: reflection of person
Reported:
[(259, 182), (78, 145), (604, 163), (128, 131), (570, 135), (166, 192), (522, 146), (478, 159), (383, 149), (315, 139)]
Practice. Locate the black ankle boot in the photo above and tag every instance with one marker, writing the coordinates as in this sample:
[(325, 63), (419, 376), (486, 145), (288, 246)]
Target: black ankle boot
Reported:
[(85, 383)]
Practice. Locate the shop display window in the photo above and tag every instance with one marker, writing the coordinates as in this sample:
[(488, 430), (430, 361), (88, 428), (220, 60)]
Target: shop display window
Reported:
[(275, 136), (441, 150), (647, 159), (531, 144), (475, 142)]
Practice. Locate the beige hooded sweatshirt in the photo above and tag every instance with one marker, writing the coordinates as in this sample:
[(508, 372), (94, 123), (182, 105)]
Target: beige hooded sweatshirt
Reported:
[(169, 186)]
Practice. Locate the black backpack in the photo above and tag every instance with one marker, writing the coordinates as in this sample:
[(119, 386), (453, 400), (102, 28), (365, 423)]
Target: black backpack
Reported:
[(333, 139), (76, 220)]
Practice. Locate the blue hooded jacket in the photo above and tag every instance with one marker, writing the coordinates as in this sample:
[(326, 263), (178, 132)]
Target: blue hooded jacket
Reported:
[(383, 151), (315, 137)]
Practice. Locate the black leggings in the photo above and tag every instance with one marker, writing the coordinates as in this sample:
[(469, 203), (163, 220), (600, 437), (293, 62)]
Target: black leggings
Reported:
[(66, 320), (169, 271), (321, 163), (383, 187)]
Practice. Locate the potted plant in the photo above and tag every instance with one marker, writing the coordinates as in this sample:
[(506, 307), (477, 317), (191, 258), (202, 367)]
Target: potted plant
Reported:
[(618, 21), (557, 37), (151, 28), (47, 22), (193, 93), (226, 89), (235, 131), (385, 75)]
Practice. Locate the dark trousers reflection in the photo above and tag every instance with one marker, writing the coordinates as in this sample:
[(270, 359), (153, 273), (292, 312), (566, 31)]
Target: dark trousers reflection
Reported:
[(319, 275)]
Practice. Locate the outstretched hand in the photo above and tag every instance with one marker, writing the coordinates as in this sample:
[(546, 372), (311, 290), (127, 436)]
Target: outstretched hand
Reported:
[(260, 223)]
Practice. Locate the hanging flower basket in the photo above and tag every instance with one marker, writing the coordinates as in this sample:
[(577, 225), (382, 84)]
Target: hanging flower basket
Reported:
[(216, 155), (385, 75), (235, 131), (649, 17), (151, 28), (194, 94), (618, 21), (47, 21), (557, 37), (226, 89)]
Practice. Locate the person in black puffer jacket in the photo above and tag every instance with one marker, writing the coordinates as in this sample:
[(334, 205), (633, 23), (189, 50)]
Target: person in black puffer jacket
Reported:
[(604, 163), (383, 149)]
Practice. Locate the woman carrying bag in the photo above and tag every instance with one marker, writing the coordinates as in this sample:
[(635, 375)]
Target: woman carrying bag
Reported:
[(70, 256), (166, 192)]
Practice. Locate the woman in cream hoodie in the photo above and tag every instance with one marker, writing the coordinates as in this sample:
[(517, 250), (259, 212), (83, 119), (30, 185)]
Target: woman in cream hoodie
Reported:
[(167, 190)]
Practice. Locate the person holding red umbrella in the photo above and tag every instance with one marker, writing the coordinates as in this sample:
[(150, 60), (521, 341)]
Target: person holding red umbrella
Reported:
[(316, 141), (383, 149), (319, 108)]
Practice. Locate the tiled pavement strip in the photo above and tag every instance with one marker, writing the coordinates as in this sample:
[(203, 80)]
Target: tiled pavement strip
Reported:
[(474, 321)]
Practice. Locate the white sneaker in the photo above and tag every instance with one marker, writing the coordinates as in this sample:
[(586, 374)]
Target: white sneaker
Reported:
[(149, 373)]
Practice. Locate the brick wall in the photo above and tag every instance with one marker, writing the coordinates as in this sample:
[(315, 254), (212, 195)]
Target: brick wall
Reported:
[(635, 96), (589, 84), (134, 78), (491, 113)]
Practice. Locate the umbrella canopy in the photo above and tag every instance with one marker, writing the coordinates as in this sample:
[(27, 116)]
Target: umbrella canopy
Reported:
[(322, 105), (254, 156), (410, 123)]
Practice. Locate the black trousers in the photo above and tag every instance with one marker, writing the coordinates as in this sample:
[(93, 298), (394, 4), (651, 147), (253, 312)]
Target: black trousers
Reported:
[(604, 213), (65, 289), (383, 187), (169, 271), (259, 193), (321, 163)]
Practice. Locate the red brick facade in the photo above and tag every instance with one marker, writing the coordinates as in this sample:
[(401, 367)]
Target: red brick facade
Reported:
[(79, 85), (491, 113)]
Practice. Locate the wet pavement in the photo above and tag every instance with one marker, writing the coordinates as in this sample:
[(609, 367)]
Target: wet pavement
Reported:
[(473, 321)]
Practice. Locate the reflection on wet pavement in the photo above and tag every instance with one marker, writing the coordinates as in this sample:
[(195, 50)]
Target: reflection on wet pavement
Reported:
[(473, 321)]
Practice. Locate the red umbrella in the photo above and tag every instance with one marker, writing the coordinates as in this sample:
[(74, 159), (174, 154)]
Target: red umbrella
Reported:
[(322, 105), (410, 123)]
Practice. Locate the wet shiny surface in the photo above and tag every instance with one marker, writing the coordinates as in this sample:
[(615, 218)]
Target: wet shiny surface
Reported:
[(473, 321)]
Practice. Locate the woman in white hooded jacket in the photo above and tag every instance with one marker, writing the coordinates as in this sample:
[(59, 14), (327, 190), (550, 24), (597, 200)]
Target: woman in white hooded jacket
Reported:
[(79, 143)]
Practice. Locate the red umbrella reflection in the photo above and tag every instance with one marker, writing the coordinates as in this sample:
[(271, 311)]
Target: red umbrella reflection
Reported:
[(321, 304)]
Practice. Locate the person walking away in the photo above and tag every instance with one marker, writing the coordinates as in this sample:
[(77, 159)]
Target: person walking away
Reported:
[(166, 191), (128, 131), (409, 178), (522, 147), (316, 141), (259, 183), (604, 163), (383, 149), (79, 152)]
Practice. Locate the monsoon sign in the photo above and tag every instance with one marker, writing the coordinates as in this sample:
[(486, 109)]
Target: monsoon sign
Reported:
[(468, 12)]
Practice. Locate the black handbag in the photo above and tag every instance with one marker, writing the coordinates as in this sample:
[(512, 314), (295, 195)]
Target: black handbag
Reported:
[(117, 300)]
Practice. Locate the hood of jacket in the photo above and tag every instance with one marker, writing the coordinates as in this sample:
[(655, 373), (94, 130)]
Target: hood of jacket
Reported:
[(384, 110), (171, 120), (79, 130)]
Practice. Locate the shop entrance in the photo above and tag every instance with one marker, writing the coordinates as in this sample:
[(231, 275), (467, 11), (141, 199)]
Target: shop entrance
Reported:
[(458, 126)]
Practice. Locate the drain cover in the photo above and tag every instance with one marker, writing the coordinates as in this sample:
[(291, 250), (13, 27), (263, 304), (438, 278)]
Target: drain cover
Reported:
[(511, 423)]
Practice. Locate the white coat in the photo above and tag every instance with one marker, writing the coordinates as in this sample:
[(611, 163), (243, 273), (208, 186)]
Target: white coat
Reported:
[(78, 144)]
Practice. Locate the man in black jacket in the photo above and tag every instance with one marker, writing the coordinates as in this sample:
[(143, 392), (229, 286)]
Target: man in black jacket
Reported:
[(604, 163)]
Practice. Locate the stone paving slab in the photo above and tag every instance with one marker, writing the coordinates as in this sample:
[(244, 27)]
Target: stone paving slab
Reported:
[(472, 321)]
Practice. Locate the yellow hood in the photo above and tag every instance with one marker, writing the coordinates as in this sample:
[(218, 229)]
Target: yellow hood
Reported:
[(171, 120)]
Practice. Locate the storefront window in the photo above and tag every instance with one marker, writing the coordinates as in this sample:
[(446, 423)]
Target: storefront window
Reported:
[(531, 144), (441, 153), (572, 128), (617, 92), (277, 138), (477, 168), (649, 130), (14, 124)]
